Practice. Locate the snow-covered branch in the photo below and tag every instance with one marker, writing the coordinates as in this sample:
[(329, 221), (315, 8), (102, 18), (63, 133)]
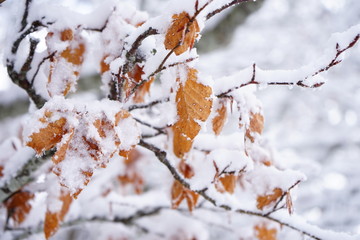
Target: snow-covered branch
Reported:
[(307, 76)]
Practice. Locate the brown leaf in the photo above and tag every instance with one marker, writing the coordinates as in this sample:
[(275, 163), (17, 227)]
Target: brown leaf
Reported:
[(193, 104), (289, 203), (1, 171), (48, 136), (18, 206), (220, 119), (186, 169), (104, 67), (228, 182), (143, 90), (256, 126), (179, 193), (266, 200), (263, 233), (64, 65), (182, 33), (53, 219)]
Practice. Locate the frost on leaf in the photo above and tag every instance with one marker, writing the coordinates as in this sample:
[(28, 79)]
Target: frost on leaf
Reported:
[(48, 136), (88, 137), (179, 193), (66, 63), (262, 232), (256, 126), (226, 183), (266, 200), (182, 33), (220, 118), (193, 104), (54, 218), (18, 206)]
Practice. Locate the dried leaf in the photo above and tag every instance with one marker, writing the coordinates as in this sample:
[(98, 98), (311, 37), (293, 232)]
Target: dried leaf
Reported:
[(48, 136), (53, 219), (182, 33), (142, 91), (179, 193), (104, 67), (18, 206), (266, 200), (193, 104), (256, 126), (133, 178), (289, 203), (186, 169), (263, 233), (228, 182), (65, 64), (220, 119), (1, 171), (131, 79)]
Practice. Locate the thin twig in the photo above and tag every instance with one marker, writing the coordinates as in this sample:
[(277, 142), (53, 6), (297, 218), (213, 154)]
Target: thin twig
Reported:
[(149, 105), (38, 67), (299, 83), (226, 6)]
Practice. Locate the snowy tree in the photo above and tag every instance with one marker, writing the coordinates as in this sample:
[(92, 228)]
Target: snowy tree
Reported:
[(164, 150)]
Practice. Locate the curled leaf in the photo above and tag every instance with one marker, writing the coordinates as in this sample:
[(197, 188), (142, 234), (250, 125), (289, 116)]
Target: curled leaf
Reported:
[(182, 33), (266, 200), (18, 206), (256, 126), (220, 119), (179, 193), (53, 219)]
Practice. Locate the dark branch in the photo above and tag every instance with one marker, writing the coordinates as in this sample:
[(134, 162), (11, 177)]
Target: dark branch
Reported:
[(226, 6), (149, 105), (299, 83), (25, 15), (38, 67)]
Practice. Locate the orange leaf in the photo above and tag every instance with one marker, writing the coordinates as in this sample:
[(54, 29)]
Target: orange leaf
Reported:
[(263, 233), (48, 136), (142, 90), (64, 65), (289, 203), (256, 126), (193, 104), (182, 33), (18, 206), (179, 193), (186, 169), (53, 219), (228, 183), (219, 120), (266, 200)]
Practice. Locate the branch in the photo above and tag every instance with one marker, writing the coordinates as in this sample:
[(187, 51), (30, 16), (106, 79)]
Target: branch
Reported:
[(161, 155), (149, 105), (23, 176), (286, 77), (20, 78), (25, 15), (116, 86), (226, 6)]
